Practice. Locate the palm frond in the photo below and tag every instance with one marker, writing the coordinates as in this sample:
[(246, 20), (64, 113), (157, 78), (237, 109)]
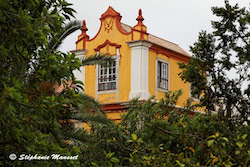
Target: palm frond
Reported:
[(69, 28), (90, 100), (101, 59), (89, 103), (57, 136), (87, 117), (75, 134)]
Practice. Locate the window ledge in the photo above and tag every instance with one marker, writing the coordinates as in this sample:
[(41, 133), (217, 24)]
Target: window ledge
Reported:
[(161, 89), (106, 91)]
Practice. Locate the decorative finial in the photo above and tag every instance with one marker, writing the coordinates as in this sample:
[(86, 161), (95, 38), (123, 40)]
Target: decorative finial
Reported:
[(84, 28), (140, 18), (140, 28)]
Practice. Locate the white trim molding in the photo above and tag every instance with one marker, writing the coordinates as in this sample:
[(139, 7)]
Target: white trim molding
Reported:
[(80, 74), (139, 69), (80, 53), (116, 91)]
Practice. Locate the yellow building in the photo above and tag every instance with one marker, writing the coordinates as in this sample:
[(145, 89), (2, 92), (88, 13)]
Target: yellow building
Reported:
[(144, 65)]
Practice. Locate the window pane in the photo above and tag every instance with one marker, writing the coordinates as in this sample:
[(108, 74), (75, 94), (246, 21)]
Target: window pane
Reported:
[(162, 75), (159, 69), (107, 77)]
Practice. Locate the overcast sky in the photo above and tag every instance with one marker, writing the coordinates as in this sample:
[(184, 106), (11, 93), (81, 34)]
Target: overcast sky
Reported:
[(178, 21)]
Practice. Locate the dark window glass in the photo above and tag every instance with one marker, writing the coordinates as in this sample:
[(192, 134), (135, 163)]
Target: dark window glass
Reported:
[(162, 75)]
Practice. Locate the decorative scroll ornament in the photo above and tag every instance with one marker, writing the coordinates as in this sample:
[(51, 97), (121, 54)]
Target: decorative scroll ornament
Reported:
[(108, 23)]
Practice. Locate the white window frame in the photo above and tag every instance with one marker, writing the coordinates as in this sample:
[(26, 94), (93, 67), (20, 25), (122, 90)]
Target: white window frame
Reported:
[(157, 88), (97, 91), (107, 77)]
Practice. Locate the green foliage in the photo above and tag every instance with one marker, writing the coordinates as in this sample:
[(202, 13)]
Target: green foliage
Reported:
[(159, 134), (154, 134), (69, 28), (30, 67), (220, 65), (150, 134)]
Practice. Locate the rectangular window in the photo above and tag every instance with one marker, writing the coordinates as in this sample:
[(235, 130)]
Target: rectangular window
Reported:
[(162, 75), (107, 77)]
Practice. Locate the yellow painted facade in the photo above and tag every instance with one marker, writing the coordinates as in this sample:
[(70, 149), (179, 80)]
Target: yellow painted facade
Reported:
[(113, 38)]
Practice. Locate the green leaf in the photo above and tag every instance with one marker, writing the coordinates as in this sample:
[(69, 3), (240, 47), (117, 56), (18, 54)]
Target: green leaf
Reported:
[(140, 140), (239, 144), (237, 152), (109, 155), (210, 142), (129, 141), (54, 16), (134, 136), (212, 136), (224, 138), (180, 164), (115, 160), (94, 164), (110, 140), (244, 136)]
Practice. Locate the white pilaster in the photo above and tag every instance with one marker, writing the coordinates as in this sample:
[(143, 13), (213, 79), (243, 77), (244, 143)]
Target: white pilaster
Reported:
[(80, 74), (139, 69)]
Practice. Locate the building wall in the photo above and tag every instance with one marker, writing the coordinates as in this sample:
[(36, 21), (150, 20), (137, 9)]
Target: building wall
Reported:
[(113, 39), (114, 36), (175, 81)]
